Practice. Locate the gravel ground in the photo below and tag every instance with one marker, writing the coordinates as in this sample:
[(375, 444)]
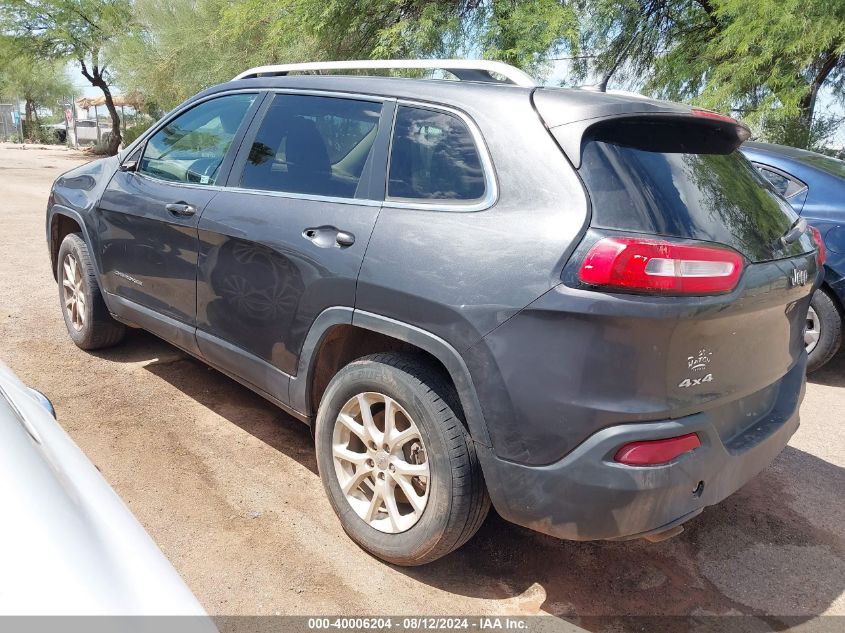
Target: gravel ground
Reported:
[(227, 486)]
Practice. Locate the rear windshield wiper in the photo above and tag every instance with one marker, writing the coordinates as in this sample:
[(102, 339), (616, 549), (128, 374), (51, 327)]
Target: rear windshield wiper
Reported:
[(798, 228)]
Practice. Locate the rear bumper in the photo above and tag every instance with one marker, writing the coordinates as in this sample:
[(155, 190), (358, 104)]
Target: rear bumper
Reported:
[(588, 496)]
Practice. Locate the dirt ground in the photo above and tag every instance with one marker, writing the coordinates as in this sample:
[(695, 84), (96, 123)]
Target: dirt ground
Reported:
[(226, 484)]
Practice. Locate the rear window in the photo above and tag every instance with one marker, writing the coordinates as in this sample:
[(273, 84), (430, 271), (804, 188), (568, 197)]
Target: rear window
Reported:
[(687, 190)]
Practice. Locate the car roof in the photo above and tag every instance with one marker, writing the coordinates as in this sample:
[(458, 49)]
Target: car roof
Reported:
[(572, 104), (803, 163)]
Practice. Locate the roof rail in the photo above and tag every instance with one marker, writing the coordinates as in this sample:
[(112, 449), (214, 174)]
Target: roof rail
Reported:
[(463, 69)]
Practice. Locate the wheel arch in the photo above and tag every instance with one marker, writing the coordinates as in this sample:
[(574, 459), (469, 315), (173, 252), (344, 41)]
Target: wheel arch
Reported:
[(402, 336), (60, 223), (834, 288)]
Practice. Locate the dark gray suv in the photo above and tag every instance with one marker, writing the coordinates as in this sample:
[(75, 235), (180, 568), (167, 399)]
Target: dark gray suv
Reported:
[(586, 308)]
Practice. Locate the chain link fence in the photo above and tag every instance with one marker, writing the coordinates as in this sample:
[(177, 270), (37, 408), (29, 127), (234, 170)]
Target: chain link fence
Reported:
[(10, 119)]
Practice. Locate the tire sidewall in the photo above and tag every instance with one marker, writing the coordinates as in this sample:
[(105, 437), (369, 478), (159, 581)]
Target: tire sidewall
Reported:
[(830, 330), (424, 535), (73, 244)]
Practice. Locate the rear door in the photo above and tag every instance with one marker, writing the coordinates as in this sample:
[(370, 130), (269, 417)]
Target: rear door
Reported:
[(148, 217), (286, 238)]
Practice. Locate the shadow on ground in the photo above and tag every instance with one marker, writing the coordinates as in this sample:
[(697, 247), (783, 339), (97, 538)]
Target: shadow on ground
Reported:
[(754, 554), (832, 374)]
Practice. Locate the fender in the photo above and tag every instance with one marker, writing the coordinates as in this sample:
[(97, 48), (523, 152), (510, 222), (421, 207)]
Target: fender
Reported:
[(58, 209), (434, 345)]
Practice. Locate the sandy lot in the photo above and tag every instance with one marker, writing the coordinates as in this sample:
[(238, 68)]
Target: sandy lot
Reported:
[(226, 484)]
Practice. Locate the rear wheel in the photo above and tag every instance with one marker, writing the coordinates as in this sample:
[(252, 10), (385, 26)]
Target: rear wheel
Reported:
[(87, 318), (823, 333), (399, 468)]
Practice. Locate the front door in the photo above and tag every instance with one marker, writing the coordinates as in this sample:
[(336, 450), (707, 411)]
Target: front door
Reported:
[(148, 217), (285, 240)]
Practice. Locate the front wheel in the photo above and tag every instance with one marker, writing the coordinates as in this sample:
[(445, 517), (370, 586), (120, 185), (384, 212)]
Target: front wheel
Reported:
[(398, 466), (823, 332), (87, 318)]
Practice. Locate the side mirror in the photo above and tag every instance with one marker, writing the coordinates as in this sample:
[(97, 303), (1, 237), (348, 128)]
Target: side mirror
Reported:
[(129, 165)]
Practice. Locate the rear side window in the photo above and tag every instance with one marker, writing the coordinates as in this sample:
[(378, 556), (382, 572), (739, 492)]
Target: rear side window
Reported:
[(191, 147), (661, 184), (433, 157), (312, 145)]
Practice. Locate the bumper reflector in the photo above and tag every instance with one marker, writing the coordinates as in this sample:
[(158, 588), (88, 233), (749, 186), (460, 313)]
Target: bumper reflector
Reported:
[(656, 452)]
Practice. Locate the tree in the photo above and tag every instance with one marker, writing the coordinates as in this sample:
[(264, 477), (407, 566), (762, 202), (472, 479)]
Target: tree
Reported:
[(72, 29), (177, 49), (39, 82), (209, 41), (523, 32), (765, 59)]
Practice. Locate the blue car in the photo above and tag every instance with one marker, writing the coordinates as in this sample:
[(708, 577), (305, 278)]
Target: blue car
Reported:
[(814, 185)]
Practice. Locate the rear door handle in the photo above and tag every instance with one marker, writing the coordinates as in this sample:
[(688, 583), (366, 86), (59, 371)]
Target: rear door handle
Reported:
[(181, 209), (344, 238), (326, 236)]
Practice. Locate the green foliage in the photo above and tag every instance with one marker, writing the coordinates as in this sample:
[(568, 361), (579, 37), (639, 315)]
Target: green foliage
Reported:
[(772, 57), (765, 59), (203, 42), (41, 81), (78, 30), (131, 133), (178, 49), (66, 29)]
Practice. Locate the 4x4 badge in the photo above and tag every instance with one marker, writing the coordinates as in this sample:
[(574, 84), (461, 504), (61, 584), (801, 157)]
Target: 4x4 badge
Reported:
[(798, 277)]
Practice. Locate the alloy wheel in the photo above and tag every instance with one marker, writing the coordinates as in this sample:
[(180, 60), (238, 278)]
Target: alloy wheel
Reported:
[(74, 291), (380, 462)]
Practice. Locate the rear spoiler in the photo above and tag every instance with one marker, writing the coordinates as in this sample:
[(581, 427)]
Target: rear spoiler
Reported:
[(575, 116)]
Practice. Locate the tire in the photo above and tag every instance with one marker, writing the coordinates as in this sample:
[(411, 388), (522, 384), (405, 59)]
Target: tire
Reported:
[(90, 327), (828, 330), (457, 501)]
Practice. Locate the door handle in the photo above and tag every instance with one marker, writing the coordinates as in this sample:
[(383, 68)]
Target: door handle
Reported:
[(326, 236), (344, 238), (181, 209)]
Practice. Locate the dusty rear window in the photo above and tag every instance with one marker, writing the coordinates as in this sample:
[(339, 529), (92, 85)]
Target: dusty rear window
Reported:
[(646, 187)]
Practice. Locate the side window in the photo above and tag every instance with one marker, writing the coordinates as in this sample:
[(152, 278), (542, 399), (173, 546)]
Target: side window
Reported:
[(433, 157), (787, 187), (191, 147), (312, 145)]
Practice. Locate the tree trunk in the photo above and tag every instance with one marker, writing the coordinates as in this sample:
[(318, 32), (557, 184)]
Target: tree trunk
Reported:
[(805, 119), (96, 79), (116, 137), (808, 102), (29, 109)]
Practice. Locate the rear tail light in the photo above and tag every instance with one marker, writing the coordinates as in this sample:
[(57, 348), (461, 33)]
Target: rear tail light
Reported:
[(822, 256), (656, 452), (645, 265)]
